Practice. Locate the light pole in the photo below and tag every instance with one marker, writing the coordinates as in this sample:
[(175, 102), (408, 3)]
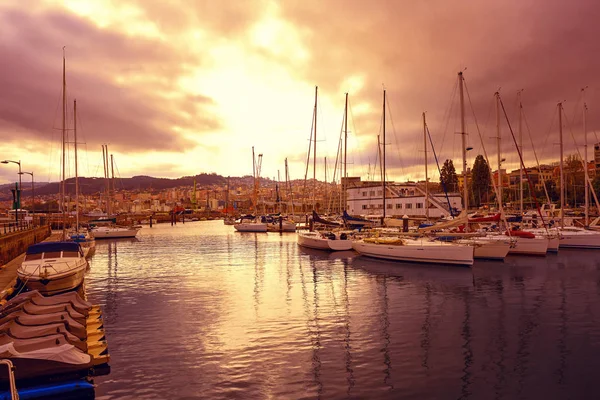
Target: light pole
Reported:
[(19, 189), (32, 196)]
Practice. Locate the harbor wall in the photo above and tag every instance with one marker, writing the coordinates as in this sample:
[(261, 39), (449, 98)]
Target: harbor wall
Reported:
[(13, 244)]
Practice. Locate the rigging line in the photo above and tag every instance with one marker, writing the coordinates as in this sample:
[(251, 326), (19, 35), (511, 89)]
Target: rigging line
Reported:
[(448, 112), (439, 171), (532, 191), (387, 100), (537, 161), (494, 185)]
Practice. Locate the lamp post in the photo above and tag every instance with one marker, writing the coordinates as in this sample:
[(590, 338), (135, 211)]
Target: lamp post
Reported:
[(19, 189), (32, 196)]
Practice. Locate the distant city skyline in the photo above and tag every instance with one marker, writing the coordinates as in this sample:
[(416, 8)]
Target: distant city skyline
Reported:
[(180, 88)]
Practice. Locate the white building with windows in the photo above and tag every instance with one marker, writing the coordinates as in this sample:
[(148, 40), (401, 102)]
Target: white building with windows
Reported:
[(401, 199)]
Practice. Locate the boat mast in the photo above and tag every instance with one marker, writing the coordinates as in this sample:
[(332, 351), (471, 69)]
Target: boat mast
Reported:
[(426, 178), (383, 159), (562, 180), (64, 117), (254, 179), (76, 172), (520, 105), (497, 95), (345, 177), (112, 171), (585, 162), (226, 197), (315, 152), (464, 141)]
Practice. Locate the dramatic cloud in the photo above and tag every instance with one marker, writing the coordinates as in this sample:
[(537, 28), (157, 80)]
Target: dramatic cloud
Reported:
[(177, 88)]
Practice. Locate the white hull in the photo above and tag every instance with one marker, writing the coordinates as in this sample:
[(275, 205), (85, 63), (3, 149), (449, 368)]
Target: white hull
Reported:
[(53, 283), (418, 251), (315, 240), (579, 239), (114, 233), (552, 235), (488, 248), (286, 226), (250, 227), (537, 246)]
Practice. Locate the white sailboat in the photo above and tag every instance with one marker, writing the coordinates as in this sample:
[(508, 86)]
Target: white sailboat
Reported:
[(252, 223), (421, 250), (54, 267), (573, 237), (108, 229)]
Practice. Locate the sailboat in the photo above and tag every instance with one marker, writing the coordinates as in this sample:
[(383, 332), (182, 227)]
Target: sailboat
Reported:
[(81, 236), (422, 250), (333, 240), (252, 223), (108, 229), (54, 267), (573, 237)]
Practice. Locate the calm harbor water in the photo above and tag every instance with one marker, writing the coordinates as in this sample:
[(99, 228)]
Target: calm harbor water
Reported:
[(201, 311)]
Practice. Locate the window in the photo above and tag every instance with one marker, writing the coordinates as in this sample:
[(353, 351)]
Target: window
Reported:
[(371, 193), (379, 192), (364, 194), (379, 205), (390, 206), (408, 205), (419, 205), (399, 205), (371, 206), (364, 206)]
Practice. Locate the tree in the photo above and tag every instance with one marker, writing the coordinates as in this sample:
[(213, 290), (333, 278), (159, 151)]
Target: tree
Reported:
[(481, 180), (574, 179), (448, 176)]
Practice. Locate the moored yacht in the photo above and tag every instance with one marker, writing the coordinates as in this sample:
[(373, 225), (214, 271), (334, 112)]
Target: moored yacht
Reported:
[(53, 267)]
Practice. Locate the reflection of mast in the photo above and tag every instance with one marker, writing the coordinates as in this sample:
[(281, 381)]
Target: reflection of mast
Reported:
[(317, 337), (425, 334), (112, 282), (562, 341), (386, 336), (347, 345), (467, 350), (257, 276)]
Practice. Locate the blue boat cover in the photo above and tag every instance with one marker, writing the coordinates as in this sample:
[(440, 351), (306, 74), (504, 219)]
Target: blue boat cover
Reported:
[(44, 247)]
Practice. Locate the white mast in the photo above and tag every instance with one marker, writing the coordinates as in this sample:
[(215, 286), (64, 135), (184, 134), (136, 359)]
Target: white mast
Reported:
[(344, 183), (383, 160), (64, 117), (76, 172), (562, 180), (464, 142), (426, 178), (585, 168), (315, 153), (521, 209), (497, 95)]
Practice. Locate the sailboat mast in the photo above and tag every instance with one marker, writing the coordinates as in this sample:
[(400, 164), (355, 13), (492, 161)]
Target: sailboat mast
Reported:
[(383, 160), (345, 178), (64, 133), (585, 162), (562, 180), (315, 152), (254, 179), (76, 171), (426, 178), (498, 140), (226, 197), (521, 209), (464, 141), (112, 172)]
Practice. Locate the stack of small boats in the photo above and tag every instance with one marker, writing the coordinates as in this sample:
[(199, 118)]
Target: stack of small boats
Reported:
[(51, 337)]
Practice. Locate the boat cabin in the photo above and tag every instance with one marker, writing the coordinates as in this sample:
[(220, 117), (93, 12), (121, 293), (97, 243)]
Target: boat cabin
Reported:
[(53, 250)]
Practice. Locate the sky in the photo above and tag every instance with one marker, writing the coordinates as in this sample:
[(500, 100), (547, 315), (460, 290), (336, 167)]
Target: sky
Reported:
[(181, 87)]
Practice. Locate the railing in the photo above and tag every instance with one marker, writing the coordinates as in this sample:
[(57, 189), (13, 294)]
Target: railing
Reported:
[(13, 227)]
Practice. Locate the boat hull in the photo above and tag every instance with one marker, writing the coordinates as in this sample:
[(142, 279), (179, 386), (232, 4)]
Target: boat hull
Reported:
[(414, 252), (285, 227), (115, 234), (530, 246), (313, 241), (580, 240), (55, 284), (250, 227), (491, 249)]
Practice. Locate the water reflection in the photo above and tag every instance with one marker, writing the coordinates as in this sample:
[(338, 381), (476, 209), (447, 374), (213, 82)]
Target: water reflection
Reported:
[(200, 311)]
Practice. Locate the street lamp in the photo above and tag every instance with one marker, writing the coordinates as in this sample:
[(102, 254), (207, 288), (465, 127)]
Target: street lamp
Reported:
[(32, 196), (19, 189)]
